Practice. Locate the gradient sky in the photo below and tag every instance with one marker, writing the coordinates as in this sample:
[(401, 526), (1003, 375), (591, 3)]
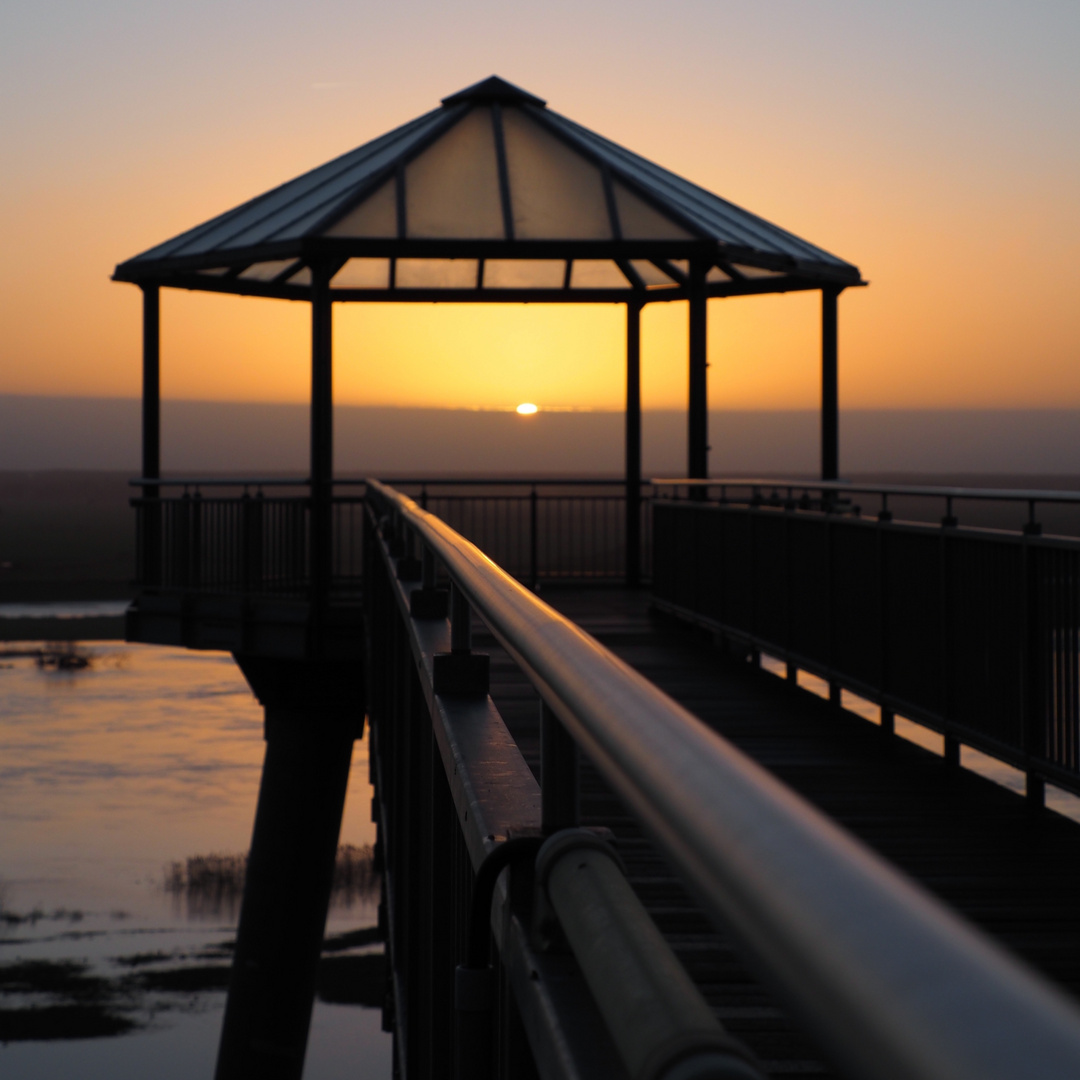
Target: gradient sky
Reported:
[(935, 145)]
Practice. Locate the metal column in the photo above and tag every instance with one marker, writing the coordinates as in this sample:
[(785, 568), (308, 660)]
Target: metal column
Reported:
[(322, 435), (698, 425), (830, 406), (151, 434), (633, 442)]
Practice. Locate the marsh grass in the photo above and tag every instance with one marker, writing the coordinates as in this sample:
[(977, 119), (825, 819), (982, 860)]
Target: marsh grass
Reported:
[(212, 886)]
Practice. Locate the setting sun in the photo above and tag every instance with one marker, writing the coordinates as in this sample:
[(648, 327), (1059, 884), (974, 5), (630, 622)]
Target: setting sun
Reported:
[(527, 408)]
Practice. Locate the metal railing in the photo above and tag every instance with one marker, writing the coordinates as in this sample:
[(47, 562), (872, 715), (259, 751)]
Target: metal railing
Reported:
[(243, 536), (1008, 506), (545, 530), (253, 536), (890, 982), (972, 632)]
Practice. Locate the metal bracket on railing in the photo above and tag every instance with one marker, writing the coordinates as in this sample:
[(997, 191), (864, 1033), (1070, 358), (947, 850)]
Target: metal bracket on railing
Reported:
[(474, 981), (547, 934), (658, 1020), (460, 671), (428, 602)]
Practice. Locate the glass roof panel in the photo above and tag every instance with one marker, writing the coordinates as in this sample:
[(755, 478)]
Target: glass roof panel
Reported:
[(652, 275), (681, 264), (363, 274), (452, 188), (436, 274), (217, 271), (716, 274), (597, 274), (267, 271), (302, 277), (375, 217), (555, 193), (757, 271), (524, 273), (639, 221)]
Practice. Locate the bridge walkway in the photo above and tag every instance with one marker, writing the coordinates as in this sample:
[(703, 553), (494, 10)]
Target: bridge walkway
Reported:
[(1014, 872)]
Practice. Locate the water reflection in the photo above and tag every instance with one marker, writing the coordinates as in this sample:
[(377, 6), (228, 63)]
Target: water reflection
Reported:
[(112, 773)]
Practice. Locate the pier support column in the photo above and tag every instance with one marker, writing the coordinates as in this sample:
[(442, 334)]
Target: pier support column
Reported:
[(313, 713), (830, 403), (698, 414), (633, 443)]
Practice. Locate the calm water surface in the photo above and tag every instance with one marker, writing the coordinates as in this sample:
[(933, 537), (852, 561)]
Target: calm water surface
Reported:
[(109, 774)]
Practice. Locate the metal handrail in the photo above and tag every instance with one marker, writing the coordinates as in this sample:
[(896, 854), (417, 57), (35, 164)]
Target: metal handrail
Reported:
[(894, 984), (502, 481), (218, 481), (986, 494), (466, 481)]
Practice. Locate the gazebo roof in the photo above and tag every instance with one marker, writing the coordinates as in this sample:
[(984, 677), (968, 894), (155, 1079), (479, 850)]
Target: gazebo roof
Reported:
[(490, 197)]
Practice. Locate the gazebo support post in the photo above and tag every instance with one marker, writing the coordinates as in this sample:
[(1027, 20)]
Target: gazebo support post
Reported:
[(830, 404), (322, 442), (633, 442), (698, 418), (151, 434)]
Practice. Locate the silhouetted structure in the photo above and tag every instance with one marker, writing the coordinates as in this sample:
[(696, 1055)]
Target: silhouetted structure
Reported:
[(352, 595)]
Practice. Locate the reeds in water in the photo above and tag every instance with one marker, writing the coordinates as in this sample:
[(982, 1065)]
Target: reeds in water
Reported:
[(211, 886)]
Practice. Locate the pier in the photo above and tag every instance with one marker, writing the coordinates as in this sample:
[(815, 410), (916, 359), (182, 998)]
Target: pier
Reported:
[(611, 844)]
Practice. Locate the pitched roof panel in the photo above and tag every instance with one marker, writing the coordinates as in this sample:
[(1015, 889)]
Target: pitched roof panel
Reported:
[(492, 164)]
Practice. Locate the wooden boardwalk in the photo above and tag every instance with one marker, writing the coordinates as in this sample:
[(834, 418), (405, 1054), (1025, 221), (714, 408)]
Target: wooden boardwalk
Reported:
[(1014, 872)]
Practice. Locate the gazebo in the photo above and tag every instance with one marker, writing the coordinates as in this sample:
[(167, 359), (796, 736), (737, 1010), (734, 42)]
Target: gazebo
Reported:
[(492, 198)]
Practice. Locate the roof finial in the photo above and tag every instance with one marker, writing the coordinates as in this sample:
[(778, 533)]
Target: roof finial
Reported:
[(494, 89)]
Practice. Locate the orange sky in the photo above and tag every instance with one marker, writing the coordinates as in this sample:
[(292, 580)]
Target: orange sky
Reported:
[(935, 148)]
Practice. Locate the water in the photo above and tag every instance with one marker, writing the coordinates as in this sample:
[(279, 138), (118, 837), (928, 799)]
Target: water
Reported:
[(108, 775), (64, 609)]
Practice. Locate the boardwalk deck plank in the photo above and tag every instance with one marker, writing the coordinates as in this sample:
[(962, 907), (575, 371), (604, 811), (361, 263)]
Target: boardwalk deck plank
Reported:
[(977, 846)]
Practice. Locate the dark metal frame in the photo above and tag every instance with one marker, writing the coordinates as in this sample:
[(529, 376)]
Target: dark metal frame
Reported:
[(971, 632), (325, 255), (889, 981)]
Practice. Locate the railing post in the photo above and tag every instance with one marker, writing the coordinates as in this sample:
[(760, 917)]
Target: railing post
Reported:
[(460, 622), (951, 751), (698, 419), (427, 602), (534, 569), (181, 541), (830, 408), (196, 512), (558, 774), (460, 671), (633, 444), (322, 439), (151, 436), (251, 544), (1035, 704)]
